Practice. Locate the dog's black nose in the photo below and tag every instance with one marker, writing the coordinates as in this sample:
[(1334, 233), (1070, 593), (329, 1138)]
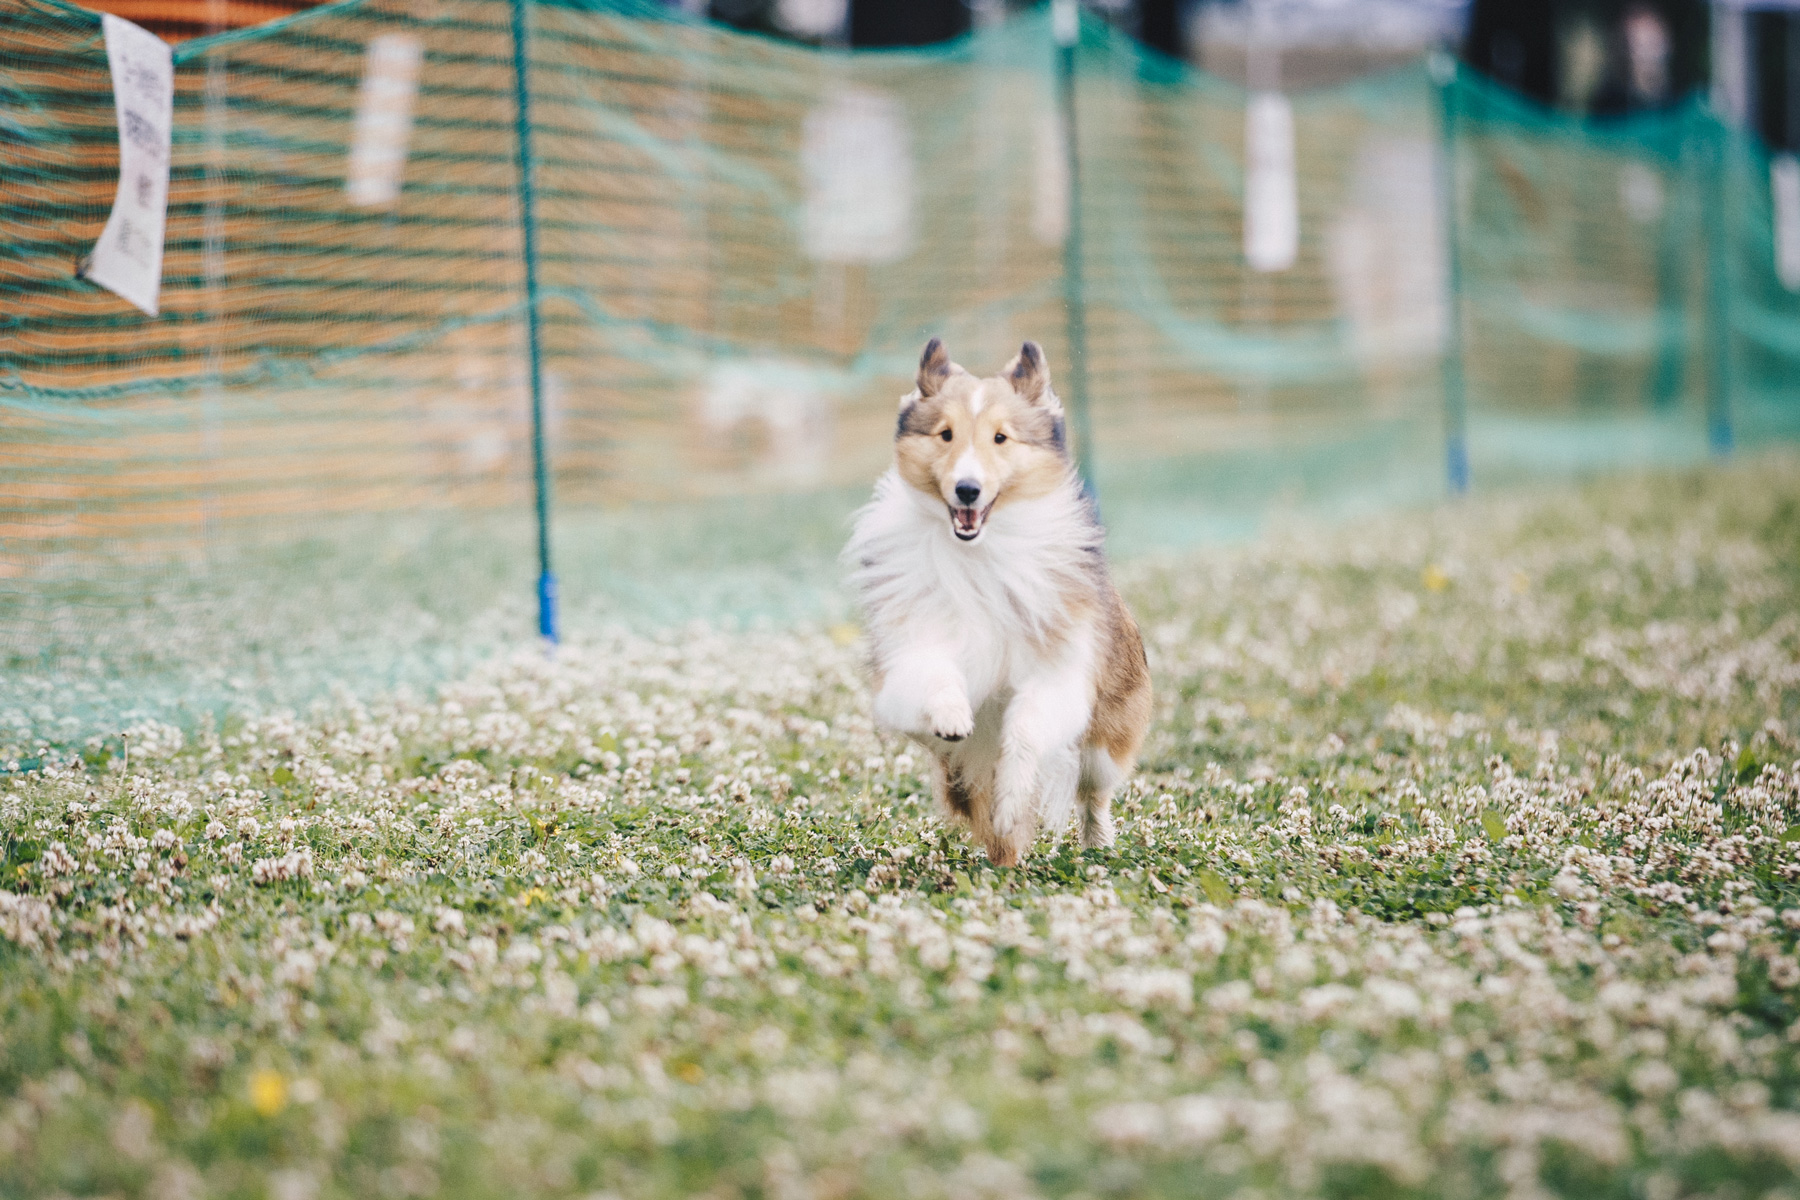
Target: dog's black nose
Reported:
[(968, 491)]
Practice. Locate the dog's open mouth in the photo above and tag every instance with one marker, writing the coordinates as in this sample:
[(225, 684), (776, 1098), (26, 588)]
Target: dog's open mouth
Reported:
[(966, 523)]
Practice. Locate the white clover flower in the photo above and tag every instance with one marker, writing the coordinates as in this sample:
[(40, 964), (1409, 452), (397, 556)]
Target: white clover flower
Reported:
[(959, 1121), (1654, 1078), (1231, 997), (1784, 971)]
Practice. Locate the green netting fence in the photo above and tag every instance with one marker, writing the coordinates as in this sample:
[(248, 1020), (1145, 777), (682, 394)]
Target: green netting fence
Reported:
[(314, 468)]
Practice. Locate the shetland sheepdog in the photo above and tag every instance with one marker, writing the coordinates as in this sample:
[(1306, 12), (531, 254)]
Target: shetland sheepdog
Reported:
[(997, 639)]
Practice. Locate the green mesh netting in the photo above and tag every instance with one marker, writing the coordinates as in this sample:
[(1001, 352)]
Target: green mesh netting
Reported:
[(313, 469)]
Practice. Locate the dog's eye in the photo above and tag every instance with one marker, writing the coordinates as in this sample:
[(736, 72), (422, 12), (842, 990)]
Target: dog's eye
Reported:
[(946, 435), (998, 438)]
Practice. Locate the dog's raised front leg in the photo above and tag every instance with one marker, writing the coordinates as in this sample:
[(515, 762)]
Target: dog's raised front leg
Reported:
[(923, 694)]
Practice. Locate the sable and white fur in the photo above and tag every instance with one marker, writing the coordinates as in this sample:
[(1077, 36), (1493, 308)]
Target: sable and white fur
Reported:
[(998, 640)]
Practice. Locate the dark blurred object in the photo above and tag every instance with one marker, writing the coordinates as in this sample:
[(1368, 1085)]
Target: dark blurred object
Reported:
[(859, 23), (1774, 51), (1162, 27), (1602, 57), (1514, 41), (1756, 68), (876, 23)]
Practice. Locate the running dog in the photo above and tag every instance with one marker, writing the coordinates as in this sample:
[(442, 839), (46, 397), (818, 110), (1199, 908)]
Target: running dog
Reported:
[(998, 640)]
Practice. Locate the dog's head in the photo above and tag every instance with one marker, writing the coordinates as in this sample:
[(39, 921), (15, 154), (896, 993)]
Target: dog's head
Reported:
[(975, 443)]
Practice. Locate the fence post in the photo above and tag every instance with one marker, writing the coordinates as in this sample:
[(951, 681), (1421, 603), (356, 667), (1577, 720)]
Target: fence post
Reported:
[(546, 587), (1065, 29), (1673, 276), (1456, 415), (1718, 293)]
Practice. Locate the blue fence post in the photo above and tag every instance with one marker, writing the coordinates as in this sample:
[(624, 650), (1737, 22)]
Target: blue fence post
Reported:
[(546, 587), (1456, 414)]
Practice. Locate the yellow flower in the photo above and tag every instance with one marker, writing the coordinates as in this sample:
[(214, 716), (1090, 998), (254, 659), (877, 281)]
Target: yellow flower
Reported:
[(268, 1092), (844, 633), (1434, 578), (535, 895)]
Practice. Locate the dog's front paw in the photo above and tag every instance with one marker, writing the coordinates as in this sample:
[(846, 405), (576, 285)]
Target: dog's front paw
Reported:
[(948, 716), (1010, 835)]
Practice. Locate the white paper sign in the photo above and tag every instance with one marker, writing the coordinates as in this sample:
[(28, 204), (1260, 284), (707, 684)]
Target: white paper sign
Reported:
[(1784, 189), (128, 257), (856, 155), (1050, 182), (1271, 202), (1385, 249), (384, 118)]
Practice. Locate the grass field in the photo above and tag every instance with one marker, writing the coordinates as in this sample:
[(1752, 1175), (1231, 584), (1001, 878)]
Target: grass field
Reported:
[(1465, 862)]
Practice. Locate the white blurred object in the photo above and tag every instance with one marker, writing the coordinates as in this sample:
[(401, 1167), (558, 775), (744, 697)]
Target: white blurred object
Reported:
[(1271, 201), (1582, 62), (480, 422), (1731, 63), (1647, 55), (1365, 24), (1640, 193), (793, 403), (812, 18), (128, 257), (856, 156), (1784, 196), (1386, 251), (384, 109), (1050, 181)]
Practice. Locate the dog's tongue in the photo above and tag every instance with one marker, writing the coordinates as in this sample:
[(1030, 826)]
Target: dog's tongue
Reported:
[(966, 519)]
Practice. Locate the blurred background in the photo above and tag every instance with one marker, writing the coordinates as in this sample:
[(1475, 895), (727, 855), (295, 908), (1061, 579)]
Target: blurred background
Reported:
[(1289, 259), (1599, 57)]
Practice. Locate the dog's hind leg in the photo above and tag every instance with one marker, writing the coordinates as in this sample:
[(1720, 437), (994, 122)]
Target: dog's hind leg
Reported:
[(953, 795), (1100, 775), (1121, 718)]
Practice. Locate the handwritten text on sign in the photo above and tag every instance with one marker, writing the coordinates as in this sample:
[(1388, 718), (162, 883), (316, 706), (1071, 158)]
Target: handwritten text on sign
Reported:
[(128, 257)]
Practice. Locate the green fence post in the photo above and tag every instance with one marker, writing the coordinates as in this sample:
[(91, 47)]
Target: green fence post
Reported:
[(546, 588), (1673, 267), (1065, 28), (1456, 415), (1718, 294)]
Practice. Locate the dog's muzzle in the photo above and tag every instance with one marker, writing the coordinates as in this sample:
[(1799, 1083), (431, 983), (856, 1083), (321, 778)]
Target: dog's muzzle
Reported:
[(967, 523)]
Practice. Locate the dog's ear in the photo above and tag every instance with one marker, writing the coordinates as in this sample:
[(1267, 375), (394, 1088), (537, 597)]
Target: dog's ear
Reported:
[(1028, 373), (934, 367)]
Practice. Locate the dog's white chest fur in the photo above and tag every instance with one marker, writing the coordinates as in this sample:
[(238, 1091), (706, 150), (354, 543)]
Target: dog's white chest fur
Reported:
[(999, 608)]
